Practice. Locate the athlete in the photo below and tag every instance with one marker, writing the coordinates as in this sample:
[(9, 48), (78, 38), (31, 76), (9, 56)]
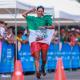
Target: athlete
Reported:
[(41, 31)]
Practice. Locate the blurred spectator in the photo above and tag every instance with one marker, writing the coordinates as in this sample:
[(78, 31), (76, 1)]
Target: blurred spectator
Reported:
[(78, 36), (24, 37), (21, 36), (62, 35), (72, 39), (9, 36), (19, 40), (13, 29), (2, 30)]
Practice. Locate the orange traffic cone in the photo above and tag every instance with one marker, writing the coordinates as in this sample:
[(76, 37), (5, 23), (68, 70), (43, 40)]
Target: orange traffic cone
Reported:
[(18, 72), (60, 73)]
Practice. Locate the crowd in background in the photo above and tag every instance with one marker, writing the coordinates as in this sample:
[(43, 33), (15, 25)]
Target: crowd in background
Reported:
[(7, 33), (69, 35)]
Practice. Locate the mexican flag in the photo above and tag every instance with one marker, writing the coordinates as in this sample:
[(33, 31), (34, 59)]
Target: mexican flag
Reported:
[(42, 35)]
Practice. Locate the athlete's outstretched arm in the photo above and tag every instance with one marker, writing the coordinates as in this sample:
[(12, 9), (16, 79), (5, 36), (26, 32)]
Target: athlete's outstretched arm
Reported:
[(24, 14)]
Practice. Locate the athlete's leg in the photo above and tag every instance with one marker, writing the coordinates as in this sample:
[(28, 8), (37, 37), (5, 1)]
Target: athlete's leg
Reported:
[(35, 50), (44, 49)]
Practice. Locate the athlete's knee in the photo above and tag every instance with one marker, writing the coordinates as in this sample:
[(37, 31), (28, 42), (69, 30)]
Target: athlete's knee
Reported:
[(37, 57)]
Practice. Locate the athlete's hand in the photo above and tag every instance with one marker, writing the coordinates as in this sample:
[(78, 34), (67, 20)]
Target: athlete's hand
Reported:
[(33, 9)]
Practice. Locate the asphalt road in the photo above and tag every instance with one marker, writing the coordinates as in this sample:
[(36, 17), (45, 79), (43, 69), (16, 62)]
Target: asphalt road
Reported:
[(71, 75)]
